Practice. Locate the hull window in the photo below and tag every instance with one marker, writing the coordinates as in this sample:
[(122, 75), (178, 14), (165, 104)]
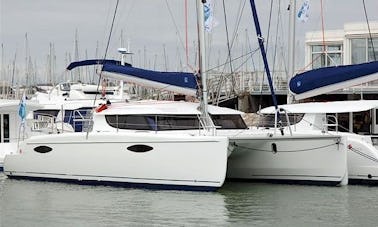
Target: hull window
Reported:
[(42, 149), (140, 148)]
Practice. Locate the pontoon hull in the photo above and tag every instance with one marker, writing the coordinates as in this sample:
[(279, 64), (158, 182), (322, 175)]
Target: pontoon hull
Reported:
[(129, 159), (362, 161), (293, 159)]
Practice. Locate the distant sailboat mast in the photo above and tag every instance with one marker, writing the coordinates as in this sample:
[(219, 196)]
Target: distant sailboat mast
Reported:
[(291, 49)]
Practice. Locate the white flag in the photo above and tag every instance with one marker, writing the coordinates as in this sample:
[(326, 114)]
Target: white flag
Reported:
[(210, 21), (303, 12)]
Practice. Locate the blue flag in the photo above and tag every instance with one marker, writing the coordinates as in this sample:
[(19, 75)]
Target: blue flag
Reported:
[(22, 108)]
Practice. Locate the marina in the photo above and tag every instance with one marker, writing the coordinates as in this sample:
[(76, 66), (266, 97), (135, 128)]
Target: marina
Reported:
[(260, 137)]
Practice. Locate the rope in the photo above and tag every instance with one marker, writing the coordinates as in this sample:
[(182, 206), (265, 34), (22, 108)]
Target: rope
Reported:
[(106, 50), (363, 154), (370, 37), (286, 151), (322, 16)]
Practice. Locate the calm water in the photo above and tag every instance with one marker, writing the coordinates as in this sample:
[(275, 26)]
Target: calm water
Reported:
[(28, 203)]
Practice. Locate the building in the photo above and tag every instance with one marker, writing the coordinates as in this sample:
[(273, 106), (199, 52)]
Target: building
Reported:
[(356, 43)]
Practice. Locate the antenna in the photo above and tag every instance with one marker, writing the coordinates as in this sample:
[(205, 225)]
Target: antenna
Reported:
[(124, 52)]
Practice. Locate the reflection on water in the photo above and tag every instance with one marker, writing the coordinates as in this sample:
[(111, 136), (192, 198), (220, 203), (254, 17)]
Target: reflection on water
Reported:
[(28, 203), (45, 204)]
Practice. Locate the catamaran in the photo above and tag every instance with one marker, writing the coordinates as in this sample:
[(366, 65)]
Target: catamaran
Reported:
[(354, 119), (138, 158)]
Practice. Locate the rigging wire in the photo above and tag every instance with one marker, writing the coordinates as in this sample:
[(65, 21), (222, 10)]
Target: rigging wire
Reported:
[(370, 36), (229, 47), (267, 46), (234, 59), (106, 50), (183, 45), (227, 36)]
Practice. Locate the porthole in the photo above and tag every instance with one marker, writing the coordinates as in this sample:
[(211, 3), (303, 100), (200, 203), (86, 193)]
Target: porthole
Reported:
[(42, 149), (140, 148)]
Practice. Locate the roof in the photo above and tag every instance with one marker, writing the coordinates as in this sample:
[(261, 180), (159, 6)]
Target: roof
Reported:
[(326, 107)]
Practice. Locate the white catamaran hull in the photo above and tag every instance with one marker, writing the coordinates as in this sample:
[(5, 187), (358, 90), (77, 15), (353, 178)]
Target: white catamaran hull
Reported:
[(362, 161), (129, 159), (297, 159)]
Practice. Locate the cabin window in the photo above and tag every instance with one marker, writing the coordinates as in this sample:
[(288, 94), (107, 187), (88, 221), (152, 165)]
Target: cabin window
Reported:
[(43, 112), (268, 120), (362, 122), (98, 92), (79, 119), (229, 121), (342, 122), (65, 87), (178, 122), (5, 122), (153, 122)]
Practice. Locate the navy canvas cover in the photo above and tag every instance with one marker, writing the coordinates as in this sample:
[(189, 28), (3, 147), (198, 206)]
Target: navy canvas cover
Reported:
[(321, 77)]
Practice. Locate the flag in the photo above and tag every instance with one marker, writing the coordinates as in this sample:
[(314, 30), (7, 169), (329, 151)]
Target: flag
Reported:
[(210, 21), (22, 109), (303, 12)]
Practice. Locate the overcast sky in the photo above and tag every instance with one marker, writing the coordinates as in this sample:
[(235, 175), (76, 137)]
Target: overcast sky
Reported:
[(153, 27)]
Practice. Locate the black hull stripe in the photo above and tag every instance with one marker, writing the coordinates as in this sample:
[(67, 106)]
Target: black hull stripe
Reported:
[(9, 173), (121, 184), (279, 181)]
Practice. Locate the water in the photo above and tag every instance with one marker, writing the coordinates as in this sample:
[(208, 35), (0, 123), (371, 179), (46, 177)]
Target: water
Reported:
[(29, 203)]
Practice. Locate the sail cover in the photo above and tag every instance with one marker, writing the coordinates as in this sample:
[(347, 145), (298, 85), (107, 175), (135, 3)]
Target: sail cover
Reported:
[(178, 82), (92, 62), (324, 80)]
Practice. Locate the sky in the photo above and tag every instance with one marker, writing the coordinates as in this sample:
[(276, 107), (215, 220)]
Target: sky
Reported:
[(155, 30)]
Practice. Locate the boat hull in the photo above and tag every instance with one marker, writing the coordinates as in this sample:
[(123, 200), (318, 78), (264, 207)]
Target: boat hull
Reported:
[(362, 161), (303, 159), (129, 159)]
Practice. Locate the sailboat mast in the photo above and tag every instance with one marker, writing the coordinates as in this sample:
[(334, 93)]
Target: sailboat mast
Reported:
[(202, 63), (263, 52), (202, 52), (291, 46)]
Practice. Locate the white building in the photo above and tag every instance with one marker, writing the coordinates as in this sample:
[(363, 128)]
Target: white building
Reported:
[(352, 45)]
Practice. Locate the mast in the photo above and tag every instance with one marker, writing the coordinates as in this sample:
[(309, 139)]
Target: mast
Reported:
[(202, 62), (291, 49), (265, 60)]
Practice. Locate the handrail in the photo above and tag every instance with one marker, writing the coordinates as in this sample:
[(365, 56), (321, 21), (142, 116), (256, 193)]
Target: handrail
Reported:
[(281, 126), (326, 125)]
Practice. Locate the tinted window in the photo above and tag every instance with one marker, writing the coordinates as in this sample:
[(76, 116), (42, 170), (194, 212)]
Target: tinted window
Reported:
[(6, 128), (150, 122), (267, 120), (229, 121), (178, 122), (50, 113)]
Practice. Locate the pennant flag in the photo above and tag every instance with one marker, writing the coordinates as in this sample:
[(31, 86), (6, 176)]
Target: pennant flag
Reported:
[(22, 109), (210, 21), (303, 12)]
